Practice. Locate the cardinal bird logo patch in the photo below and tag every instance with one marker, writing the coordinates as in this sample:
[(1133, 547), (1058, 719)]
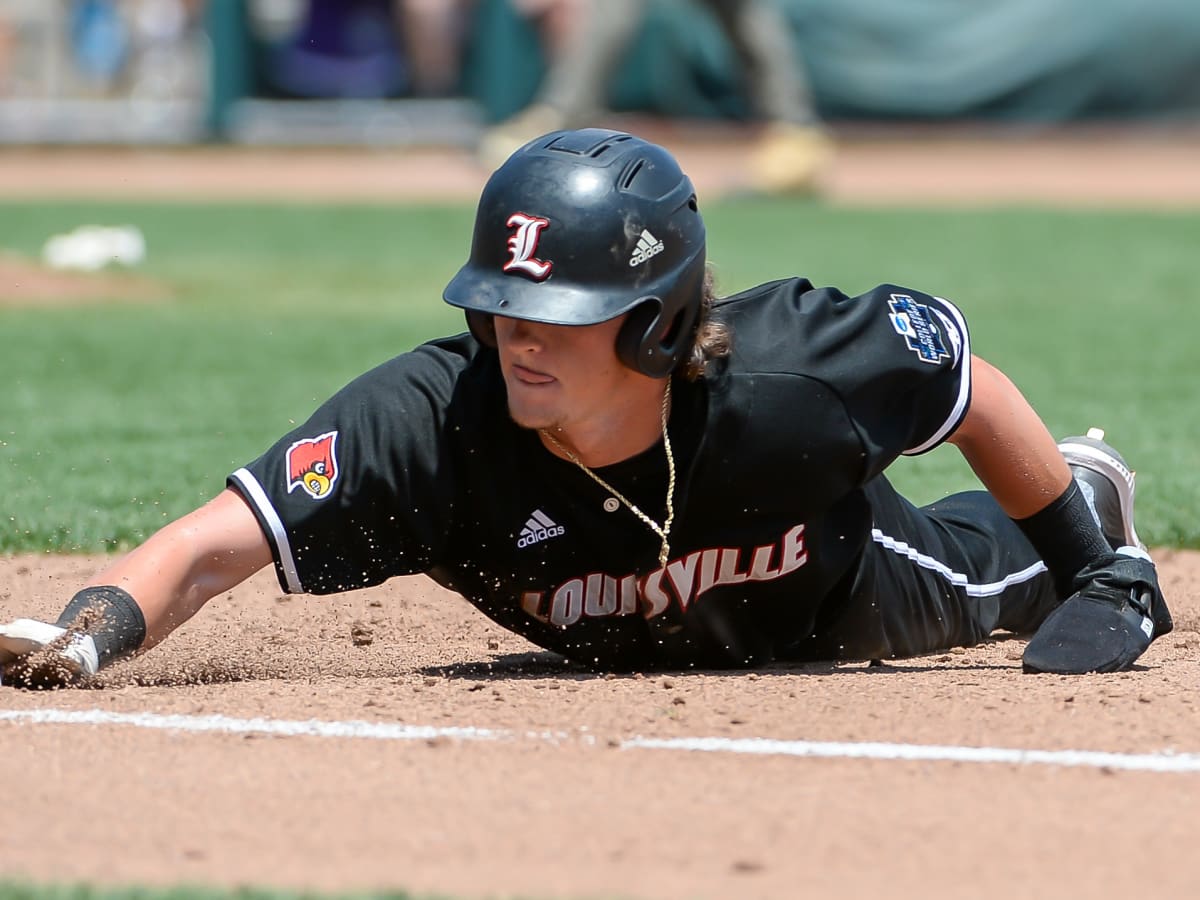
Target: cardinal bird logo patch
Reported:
[(522, 246), (312, 465)]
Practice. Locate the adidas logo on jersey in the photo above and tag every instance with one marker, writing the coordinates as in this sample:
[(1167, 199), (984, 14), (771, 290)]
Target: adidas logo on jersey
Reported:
[(647, 246), (540, 527)]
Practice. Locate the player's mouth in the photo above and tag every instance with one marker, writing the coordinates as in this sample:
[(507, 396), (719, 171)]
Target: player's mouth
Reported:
[(530, 376)]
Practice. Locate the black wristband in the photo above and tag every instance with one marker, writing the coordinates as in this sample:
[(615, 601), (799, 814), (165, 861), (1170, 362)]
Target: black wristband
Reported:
[(111, 617), (1066, 536)]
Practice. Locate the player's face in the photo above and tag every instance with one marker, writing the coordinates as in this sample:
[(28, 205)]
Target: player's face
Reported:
[(562, 375)]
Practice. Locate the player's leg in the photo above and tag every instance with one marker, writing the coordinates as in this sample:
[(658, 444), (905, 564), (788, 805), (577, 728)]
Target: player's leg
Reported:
[(949, 573), (578, 79), (1005, 576), (576, 85), (936, 577), (794, 149), (774, 78)]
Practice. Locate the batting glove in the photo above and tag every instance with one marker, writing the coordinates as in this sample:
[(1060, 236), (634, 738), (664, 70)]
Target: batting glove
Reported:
[(1116, 611)]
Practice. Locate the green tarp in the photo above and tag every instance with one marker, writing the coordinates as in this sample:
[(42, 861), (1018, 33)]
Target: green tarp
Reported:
[(1034, 60)]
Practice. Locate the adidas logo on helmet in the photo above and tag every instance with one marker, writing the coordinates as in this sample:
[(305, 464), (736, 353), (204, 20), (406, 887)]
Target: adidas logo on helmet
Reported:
[(647, 246)]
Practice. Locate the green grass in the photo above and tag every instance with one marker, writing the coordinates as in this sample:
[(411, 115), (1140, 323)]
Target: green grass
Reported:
[(118, 417)]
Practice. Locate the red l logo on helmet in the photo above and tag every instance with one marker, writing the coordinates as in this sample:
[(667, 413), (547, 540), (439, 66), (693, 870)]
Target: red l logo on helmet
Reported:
[(523, 244)]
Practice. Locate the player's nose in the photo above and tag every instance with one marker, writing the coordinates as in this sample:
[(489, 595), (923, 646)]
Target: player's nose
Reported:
[(518, 334)]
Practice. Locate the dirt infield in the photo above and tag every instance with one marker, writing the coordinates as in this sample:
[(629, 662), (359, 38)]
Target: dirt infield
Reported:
[(560, 804), (1093, 167), (395, 738)]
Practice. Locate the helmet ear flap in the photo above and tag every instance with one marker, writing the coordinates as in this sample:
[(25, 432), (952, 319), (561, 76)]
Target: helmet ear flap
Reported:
[(648, 344), (483, 327), (639, 327)]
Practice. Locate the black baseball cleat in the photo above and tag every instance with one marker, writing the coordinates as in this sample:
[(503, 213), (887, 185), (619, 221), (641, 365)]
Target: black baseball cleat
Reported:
[(1118, 608), (1107, 483)]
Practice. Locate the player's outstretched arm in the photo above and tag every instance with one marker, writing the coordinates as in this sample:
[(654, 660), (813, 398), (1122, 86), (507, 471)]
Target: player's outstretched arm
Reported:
[(190, 561), (1008, 446), (142, 597)]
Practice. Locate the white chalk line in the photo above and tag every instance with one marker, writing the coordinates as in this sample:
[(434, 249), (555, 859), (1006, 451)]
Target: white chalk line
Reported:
[(1095, 759), (380, 731), (383, 731)]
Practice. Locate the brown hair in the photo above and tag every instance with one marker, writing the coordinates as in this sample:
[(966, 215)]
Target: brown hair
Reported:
[(713, 339)]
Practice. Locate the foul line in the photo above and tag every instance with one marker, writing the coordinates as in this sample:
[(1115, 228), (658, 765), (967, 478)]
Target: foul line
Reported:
[(1094, 759), (383, 731), (380, 731)]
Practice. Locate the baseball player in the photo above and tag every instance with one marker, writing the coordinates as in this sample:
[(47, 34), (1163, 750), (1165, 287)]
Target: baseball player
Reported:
[(631, 473)]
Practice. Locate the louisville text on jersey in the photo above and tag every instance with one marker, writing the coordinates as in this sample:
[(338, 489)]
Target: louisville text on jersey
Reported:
[(312, 465), (682, 581)]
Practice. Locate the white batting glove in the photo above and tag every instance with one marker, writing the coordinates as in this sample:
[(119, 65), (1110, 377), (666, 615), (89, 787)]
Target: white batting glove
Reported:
[(33, 652)]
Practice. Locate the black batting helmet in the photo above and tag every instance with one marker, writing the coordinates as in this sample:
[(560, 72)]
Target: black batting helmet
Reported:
[(579, 227)]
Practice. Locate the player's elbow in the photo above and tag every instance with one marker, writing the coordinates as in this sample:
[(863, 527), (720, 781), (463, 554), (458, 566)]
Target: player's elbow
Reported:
[(994, 398)]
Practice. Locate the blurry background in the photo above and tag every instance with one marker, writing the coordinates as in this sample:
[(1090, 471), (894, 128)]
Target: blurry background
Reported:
[(214, 213), (435, 71)]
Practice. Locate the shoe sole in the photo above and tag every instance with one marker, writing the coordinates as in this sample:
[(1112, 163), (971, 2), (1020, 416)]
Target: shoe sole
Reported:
[(1093, 454)]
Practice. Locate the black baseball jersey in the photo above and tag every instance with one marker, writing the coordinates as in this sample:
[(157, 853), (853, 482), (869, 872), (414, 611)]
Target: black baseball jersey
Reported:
[(417, 467)]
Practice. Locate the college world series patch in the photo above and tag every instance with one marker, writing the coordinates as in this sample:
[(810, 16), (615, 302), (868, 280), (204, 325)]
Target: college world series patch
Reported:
[(913, 323)]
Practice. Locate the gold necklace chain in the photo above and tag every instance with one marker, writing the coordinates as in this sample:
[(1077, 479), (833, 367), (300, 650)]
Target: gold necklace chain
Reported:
[(663, 530)]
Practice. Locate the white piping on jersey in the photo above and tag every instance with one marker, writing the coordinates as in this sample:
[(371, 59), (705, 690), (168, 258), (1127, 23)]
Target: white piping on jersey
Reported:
[(956, 578), (964, 383), (263, 503)]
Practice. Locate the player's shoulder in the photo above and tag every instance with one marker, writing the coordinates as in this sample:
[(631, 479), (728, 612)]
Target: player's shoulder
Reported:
[(805, 304), (433, 370), (896, 295), (791, 307), (754, 300), (791, 325), (443, 357), (796, 296)]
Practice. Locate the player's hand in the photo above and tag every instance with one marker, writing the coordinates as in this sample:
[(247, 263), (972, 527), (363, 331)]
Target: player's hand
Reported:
[(1116, 611), (40, 655)]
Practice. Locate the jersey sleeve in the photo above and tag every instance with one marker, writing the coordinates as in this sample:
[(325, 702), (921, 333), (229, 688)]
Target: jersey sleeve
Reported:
[(361, 491), (901, 362)]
